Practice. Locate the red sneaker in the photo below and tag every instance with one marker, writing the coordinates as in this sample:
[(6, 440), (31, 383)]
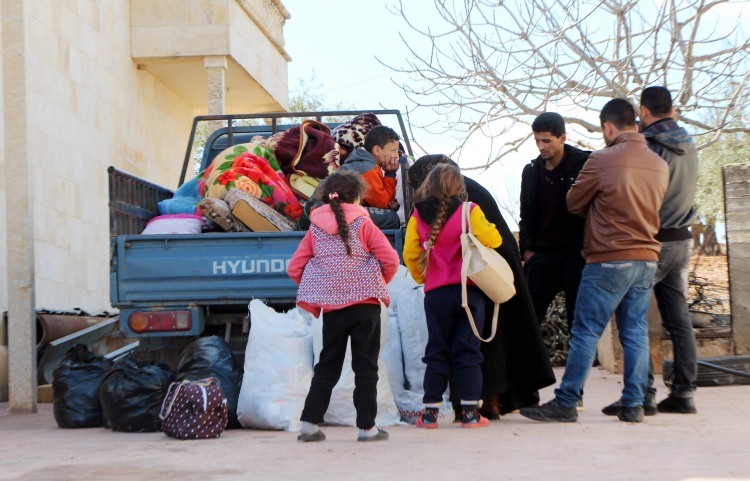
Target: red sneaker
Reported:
[(481, 422), (421, 423)]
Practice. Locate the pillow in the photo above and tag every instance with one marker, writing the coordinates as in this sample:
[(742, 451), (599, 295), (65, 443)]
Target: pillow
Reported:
[(217, 211), (175, 224)]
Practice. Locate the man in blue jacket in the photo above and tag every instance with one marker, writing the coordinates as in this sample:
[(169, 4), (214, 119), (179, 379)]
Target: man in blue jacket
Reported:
[(677, 213)]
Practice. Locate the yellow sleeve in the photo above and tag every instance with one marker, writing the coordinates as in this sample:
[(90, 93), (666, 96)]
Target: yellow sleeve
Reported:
[(483, 229), (412, 251)]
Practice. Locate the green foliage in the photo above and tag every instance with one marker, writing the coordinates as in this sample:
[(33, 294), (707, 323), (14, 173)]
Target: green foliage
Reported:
[(729, 149)]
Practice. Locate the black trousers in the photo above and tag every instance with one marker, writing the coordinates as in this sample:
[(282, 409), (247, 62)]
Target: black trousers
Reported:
[(452, 350), (548, 273), (361, 323)]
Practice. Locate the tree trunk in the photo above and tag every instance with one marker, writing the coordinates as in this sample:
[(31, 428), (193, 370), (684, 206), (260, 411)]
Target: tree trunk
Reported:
[(710, 246)]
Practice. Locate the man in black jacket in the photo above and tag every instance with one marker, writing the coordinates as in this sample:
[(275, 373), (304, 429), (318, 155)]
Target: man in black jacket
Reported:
[(551, 238)]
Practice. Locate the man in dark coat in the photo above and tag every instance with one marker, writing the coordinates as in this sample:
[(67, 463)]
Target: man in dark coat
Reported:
[(550, 237), (516, 364)]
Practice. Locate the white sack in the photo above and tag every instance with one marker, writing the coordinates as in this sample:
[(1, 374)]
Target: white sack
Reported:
[(278, 369)]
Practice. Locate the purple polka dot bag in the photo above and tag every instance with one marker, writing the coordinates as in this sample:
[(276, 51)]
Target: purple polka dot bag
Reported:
[(194, 410)]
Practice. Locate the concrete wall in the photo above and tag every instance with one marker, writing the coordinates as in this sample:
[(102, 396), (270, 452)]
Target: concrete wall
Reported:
[(736, 197), (88, 107), (3, 234)]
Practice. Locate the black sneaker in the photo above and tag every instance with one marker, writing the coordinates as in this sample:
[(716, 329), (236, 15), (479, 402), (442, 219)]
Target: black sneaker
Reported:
[(632, 414), (677, 405), (649, 407), (551, 412)]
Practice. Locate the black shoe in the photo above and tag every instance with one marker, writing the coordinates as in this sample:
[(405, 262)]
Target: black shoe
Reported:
[(649, 404), (677, 405), (632, 414), (310, 438), (649, 407), (551, 412), (381, 436)]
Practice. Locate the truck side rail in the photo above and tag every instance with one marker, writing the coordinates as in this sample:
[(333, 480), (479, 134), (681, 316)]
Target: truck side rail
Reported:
[(132, 202), (271, 123)]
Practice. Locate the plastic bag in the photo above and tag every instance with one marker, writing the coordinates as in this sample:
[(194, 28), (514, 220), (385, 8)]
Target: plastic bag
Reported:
[(131, 395), (278, 369), (408, 317), (75, 388), (212, 357)]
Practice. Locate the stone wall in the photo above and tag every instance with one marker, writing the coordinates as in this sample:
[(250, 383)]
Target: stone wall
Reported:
[(736, 197), (88, 107)]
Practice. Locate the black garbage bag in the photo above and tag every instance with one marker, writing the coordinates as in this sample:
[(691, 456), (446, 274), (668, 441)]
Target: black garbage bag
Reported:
[(75, 387), (131, 395), (212, 357)]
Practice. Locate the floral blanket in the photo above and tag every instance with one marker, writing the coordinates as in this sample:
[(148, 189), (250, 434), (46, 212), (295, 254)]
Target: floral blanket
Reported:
[(253, 169)]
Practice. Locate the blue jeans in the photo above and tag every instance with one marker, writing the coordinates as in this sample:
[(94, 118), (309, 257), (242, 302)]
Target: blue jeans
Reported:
[(622, 288), (670, 289)]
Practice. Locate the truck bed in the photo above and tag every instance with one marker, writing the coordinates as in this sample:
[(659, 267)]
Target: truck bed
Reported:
[(191, 281)]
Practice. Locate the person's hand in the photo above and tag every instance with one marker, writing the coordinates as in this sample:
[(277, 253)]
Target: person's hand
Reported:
[(394, 205), (527, 254), (391, 163)]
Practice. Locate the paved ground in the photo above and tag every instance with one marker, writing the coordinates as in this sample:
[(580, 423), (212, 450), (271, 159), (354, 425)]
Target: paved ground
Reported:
[(714, 444)]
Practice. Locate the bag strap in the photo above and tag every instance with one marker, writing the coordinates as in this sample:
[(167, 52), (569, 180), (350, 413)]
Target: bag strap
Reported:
[(466, 219), (163, 415)]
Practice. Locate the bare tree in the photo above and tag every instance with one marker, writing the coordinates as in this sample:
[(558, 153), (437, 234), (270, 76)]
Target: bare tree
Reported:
[(489, 65)]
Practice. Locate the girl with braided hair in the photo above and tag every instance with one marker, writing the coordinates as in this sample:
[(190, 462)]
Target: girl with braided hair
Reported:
[(432, 253), (342, 267)]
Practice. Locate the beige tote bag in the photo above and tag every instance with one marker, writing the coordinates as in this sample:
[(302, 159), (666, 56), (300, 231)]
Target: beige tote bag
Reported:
[(486, 268)]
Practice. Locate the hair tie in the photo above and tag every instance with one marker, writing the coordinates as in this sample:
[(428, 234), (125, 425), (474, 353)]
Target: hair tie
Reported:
[(333, 195)]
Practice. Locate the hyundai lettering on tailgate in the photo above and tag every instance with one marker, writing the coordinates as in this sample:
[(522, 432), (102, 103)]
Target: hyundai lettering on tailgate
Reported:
[(249, 266)]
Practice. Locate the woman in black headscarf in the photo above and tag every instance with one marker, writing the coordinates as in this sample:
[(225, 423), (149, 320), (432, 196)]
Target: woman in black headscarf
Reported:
[(516, 364)]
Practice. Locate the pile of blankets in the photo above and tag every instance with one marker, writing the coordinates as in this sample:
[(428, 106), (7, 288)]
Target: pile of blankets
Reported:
[(281, 170)]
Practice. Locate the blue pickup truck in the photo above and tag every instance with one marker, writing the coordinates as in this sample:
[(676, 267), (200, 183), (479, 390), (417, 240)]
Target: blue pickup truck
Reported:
[(171, 288)]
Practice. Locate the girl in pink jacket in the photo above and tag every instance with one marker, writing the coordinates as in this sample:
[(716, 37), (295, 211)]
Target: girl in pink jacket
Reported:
[(342, 267), (432, 253)]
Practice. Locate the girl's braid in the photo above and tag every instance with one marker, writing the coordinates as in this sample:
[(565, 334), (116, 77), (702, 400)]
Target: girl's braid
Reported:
[(338, 213), (435, 228)]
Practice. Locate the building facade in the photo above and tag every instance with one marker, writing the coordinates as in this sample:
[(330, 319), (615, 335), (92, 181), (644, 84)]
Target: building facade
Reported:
[(87, 84)]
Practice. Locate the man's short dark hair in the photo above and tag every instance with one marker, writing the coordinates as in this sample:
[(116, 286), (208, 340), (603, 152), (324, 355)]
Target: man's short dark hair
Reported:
[(380, 135), (549, 122), (618, 112), (657, 100)]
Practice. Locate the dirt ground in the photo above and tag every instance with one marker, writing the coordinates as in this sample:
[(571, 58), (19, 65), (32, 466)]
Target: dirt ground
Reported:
[(708, 446)]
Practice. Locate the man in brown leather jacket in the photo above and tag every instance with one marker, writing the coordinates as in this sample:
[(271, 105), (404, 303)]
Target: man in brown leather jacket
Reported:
[(620, 190)]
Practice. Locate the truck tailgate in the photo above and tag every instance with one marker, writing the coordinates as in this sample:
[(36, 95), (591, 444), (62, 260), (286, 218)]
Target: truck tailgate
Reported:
[(206, 269), (214, 268)]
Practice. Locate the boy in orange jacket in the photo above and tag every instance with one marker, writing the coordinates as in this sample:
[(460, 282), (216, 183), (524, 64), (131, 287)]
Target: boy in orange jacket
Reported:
[(377, 164)]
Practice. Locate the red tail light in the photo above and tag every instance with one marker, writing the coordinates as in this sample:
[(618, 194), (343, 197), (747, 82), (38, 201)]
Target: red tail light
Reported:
[(162, 321)]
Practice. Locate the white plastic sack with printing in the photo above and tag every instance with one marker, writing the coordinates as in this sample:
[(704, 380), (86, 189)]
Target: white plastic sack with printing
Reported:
[(341, 408), (405, 348), (278, 369)]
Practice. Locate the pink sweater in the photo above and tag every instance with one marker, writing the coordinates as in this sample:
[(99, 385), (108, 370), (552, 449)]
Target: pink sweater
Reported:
[(337, 290)]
